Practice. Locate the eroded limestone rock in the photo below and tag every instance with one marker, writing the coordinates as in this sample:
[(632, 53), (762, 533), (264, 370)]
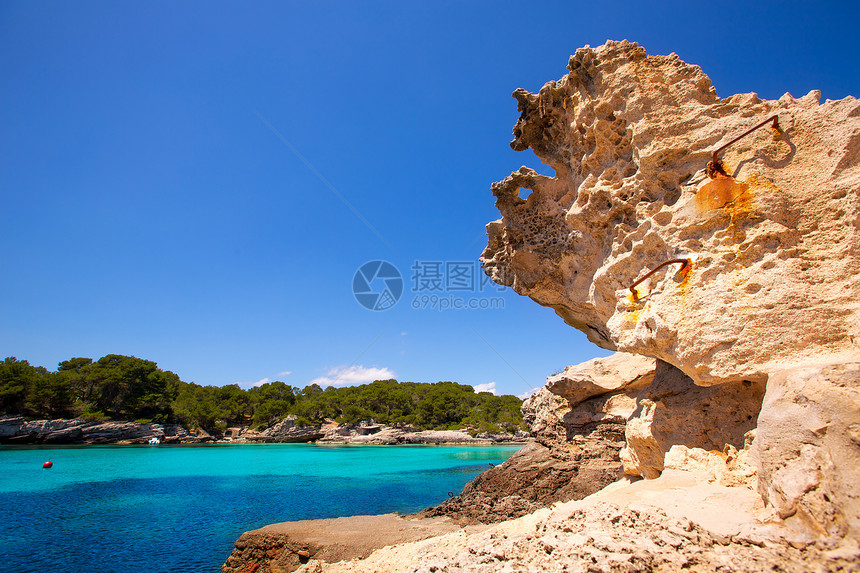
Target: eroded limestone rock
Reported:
[(775, 278), (677, 526), (600, 376), (289, 432), (544, 413), (672, 410), (574, 402), (808, 447), (577, 422), (653, 403), (532, 478), (284, 547), (729, 468)]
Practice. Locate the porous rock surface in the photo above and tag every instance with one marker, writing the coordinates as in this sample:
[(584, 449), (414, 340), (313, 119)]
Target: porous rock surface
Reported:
[(602, 535), (775, 249), (653, 404), (807, 448), (672, 410)]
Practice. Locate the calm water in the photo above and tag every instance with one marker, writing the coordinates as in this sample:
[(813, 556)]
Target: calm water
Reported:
[(126, 509)]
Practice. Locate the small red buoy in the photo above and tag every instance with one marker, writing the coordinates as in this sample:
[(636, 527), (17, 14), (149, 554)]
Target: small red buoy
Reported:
[(48, 465)]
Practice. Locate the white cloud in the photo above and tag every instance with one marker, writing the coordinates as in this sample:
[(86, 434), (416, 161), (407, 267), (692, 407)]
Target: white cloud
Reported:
[(488, 387), (258, 383), (527, 395), (346, 375), (284, 373)]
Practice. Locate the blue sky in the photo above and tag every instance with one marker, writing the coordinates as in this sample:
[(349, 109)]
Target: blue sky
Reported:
[(197, 183)]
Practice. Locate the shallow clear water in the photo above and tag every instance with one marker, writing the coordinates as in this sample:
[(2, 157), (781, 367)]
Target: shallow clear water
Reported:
[(122, 509)]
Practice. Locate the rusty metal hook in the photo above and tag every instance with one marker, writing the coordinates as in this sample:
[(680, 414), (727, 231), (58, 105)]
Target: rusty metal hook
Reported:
[(715, 166), (685, 264)]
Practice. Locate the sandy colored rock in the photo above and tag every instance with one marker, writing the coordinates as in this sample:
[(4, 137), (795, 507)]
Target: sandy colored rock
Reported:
[(283, 547), (730, 468), (543, 412), (575, 401), (383, 434), (599, 376), (673, 410), (441, 437), (775, 251), (808, 447), (676, 523), (608, 407)]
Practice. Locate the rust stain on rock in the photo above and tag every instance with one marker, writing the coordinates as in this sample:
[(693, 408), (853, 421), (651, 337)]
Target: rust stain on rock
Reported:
[(686, 272), (756, 180), (723, 191)]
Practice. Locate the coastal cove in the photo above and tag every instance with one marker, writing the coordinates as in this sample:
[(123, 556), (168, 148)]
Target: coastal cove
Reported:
[(167, 508)]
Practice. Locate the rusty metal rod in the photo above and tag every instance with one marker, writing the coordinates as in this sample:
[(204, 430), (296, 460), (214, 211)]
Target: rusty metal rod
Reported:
[(716, 166), (685, 263)]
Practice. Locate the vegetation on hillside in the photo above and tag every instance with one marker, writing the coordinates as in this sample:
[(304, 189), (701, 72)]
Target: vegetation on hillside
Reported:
[(118, 387)]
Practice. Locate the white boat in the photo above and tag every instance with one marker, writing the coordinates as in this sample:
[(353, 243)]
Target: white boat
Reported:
[(154, 441)]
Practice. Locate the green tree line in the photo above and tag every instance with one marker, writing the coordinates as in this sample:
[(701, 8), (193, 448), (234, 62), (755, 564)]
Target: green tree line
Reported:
[(118, 387)]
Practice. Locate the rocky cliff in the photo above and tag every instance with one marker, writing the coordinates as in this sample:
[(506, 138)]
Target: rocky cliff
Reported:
[(16, 430), (754, 322), (726, 271), (774, 279)]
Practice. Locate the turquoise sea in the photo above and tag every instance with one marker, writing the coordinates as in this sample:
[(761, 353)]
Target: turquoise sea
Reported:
[(123, 509)]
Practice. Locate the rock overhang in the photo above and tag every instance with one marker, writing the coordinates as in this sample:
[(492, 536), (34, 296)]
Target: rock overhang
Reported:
[(773, 280)]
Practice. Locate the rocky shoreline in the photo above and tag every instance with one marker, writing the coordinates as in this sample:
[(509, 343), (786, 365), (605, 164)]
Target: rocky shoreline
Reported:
[(724, 433), (580, 491), (17, 430)]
